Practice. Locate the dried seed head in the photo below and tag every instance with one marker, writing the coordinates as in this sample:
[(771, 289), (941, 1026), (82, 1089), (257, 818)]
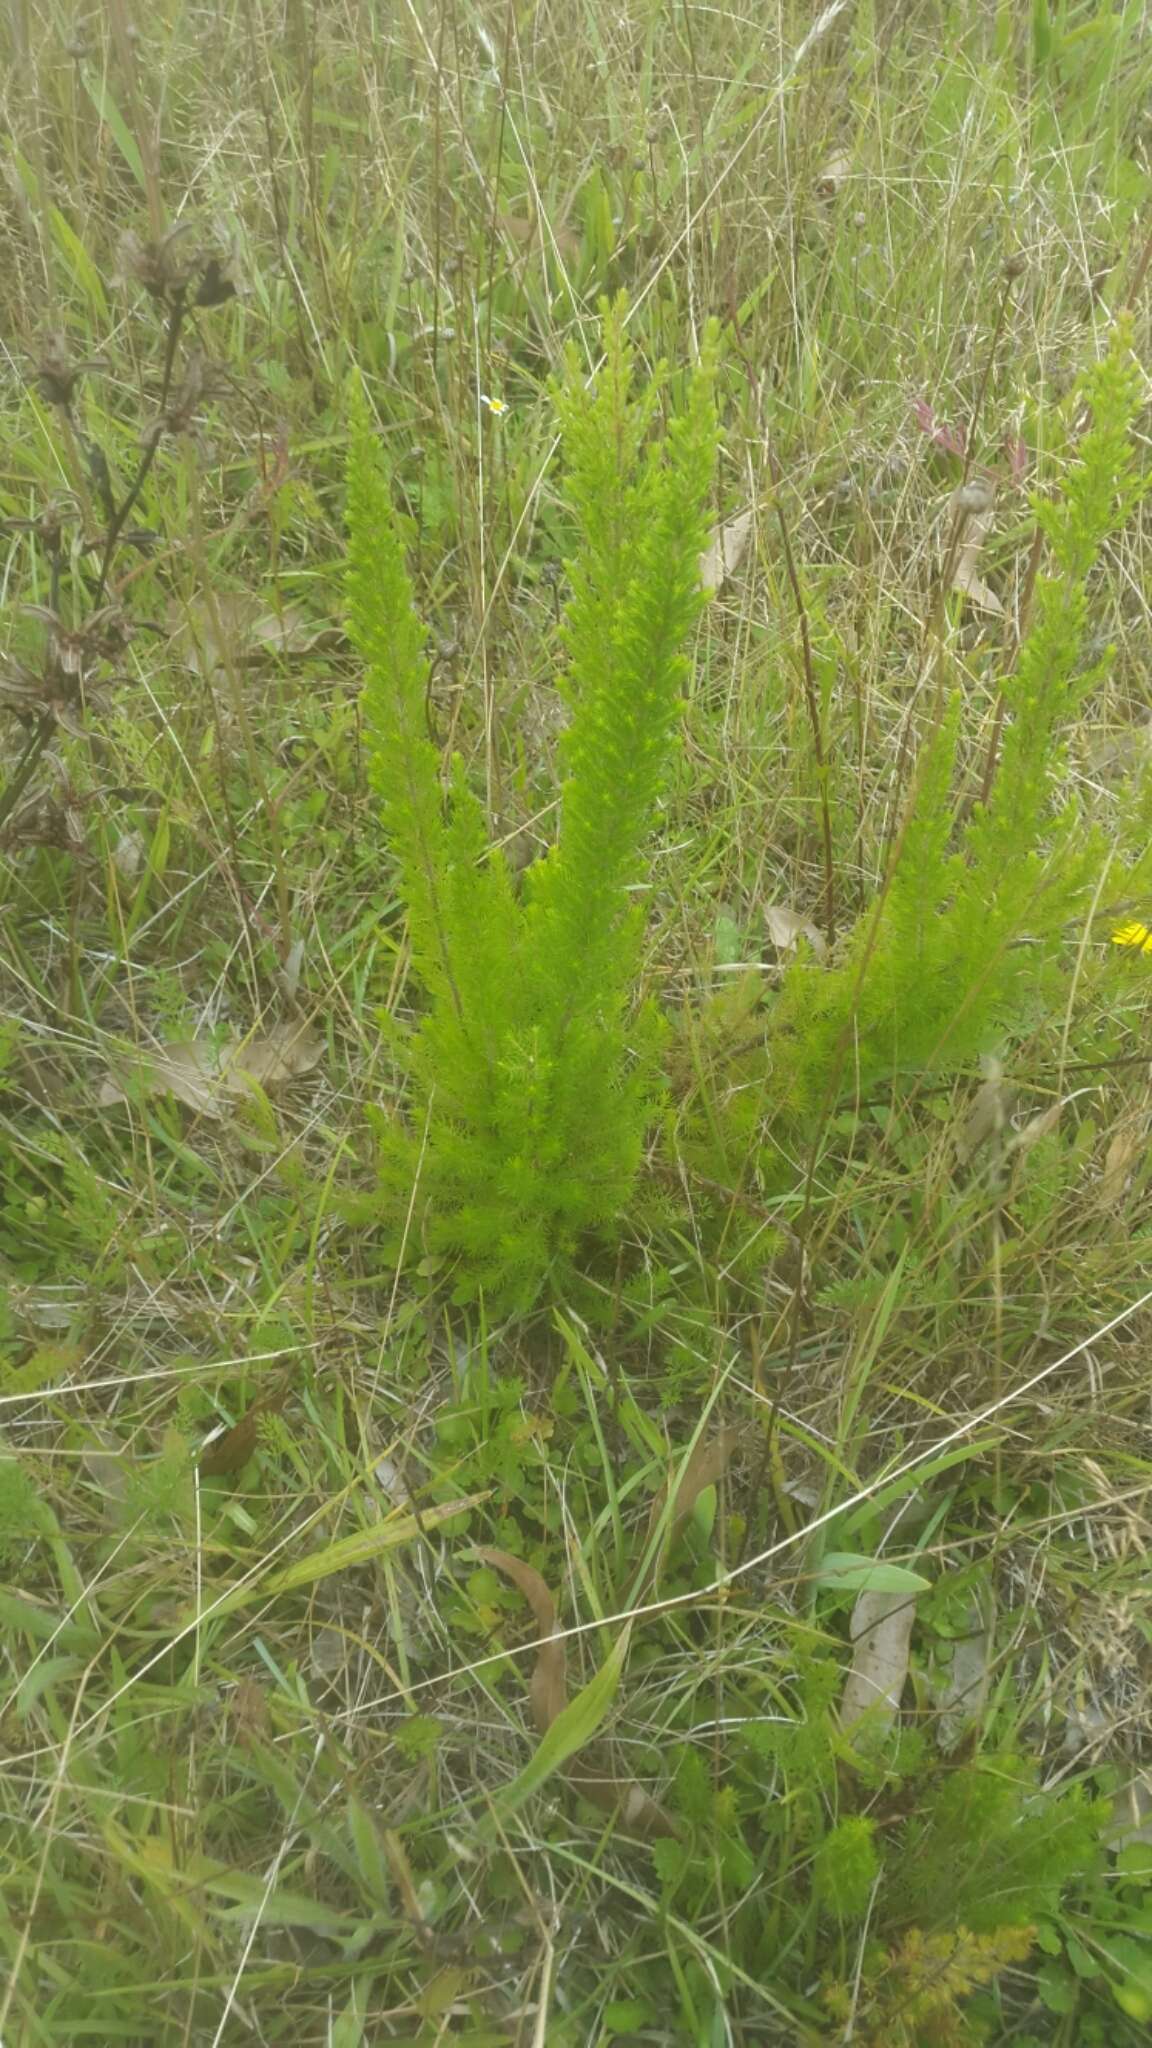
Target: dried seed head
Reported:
[(57, 375), (188, 263), (21, 689), (48, 526), (108, 633), (72, 652), (165, 268), (1015, 267), (977, 495), (217, 282), (200, 382)]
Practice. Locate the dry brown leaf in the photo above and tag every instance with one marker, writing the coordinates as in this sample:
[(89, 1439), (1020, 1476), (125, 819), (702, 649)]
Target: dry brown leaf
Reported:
[(106, 1464), (291, 631), (964, 575), (1131, 1821), (1037, 1127), (209, 1076), (232, 1449), (523, 229), (705, 1467), (237, 628), (249, 1711), (188, 1069), (833, 174), (991, 1108), (787, 927), (282, 1053), (634, 1808), (548, 1690), (960, 1700), (881, 1631), (1125, 1147), (725, 551)]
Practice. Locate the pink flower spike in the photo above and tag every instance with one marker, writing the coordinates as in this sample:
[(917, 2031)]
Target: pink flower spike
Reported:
[(1019, 461), (951, 439)]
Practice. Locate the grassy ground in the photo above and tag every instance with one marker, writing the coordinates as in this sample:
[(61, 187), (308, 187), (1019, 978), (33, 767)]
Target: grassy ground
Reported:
[(270, 1768)]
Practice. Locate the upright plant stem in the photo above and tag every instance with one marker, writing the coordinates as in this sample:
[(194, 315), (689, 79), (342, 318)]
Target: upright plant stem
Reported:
[(812, 699), (176, 314), (42, 733)]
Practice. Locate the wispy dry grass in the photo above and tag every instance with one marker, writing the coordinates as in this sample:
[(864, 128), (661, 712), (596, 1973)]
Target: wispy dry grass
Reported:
[(282, 1819)]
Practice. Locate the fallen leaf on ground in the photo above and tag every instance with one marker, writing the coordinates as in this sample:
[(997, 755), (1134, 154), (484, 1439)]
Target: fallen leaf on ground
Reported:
[(1040, 1126), (548, 1689), (705, 1467), (1125, 1148), (233, 1447), (105, 1462), (725, 552), (282, 1053), (210, 1075), (964, 576), (238, 628), (991, 1108), (833, 174), (638, 1812), (1131, 1822), (787, 927), (960, 1703), (587, 1768), (523, 228), (881, 1631)]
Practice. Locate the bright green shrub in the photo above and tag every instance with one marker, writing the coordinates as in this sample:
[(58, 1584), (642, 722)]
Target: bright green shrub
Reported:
[(533, 1072), (969, 937)]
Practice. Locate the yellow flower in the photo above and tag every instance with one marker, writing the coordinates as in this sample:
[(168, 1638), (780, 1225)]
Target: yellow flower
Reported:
[(496, 406), (1133, 934)]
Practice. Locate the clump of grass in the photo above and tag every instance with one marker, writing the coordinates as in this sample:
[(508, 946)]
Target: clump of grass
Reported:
[(968, 936), (263, 1704)]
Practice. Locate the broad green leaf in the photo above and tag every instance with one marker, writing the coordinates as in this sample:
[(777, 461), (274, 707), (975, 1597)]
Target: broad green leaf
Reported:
[(347, 2030), (79, 262), (1057, 1988), (117, 127), (273, 1908), (851, 1574), (41, 1677), (40, 1623), (348, 1551), (369, 1855), (917, 1476), (573, 1727)]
